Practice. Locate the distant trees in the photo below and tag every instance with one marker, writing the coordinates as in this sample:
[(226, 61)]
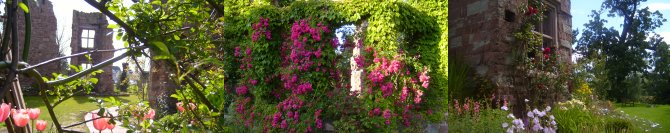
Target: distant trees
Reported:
[(617, 60)]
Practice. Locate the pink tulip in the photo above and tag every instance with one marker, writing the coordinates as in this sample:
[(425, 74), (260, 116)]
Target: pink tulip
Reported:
[(149, 114), (192, 106), (5, 111), (99, 124), (21, 118), (34, 113), (110, 126), (180, 107), (41, 125)]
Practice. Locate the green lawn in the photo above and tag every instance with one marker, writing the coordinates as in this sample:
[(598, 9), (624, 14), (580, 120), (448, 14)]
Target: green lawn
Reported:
[(659, 114), (70, 111)]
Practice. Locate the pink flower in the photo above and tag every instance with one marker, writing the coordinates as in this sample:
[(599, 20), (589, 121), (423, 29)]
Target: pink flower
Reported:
[(110, 126), (253, 82), (374, 112), (319, 123), (5, 111), (275, 119), (417, 98), (284, 124), (149, 114), (99, 124), (394, 67), (41, 125), (425, 79), (248, 51), (241, 90), (403, 94), (180, 107), (360, 61), (21, 117), (237, 51), (387, 115), (34, 113), (476, 109)]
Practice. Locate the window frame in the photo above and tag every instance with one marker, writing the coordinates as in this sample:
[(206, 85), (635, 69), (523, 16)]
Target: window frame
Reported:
[(87, 41), (549, 32)]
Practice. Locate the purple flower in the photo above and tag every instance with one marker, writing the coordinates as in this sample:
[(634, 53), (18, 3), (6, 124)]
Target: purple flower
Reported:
[(267, 35), (248, 52)]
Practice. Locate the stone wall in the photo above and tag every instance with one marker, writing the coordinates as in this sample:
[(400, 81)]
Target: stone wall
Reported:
[(480, 34), (43, 44), (103, 41)]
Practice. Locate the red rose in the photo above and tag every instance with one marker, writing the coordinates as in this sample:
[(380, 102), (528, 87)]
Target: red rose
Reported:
[(531, 11)]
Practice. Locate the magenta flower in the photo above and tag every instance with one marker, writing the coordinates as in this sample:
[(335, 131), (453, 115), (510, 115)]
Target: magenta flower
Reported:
[(237, 51), (403, 94), (387, 115), (241, 90)]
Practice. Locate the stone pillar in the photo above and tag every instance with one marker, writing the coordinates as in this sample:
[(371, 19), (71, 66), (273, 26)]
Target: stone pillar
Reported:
[(161, 87), (357, 72)]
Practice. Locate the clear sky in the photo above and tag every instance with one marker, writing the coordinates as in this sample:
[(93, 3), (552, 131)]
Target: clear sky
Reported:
[(582, 8)]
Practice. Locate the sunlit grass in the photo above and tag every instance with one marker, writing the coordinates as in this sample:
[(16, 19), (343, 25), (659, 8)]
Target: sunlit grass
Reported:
[(70, 111), (659, 114)]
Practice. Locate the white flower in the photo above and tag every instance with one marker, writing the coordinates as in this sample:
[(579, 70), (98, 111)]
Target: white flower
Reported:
[(536, 111), (526, 100), (548, 108), (530, 114), (510, 116), (504, 125), (552, 117), (504, 108)]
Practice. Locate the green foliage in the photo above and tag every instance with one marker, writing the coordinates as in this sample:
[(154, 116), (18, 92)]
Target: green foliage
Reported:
[(624, 53), (488, 120)]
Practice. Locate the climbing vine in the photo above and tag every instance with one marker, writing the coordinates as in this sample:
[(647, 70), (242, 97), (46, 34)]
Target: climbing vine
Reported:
[(538, 62), (289, 72)]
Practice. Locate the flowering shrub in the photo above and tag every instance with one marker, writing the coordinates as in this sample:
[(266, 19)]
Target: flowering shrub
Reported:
[(476, 116), (578, 116)]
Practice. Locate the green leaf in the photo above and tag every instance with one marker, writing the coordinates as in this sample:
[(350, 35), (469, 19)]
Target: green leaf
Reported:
[(24, 7), (162, 51), (113, 26)]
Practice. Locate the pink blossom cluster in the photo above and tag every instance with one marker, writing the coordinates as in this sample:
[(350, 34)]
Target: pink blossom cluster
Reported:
[(424, 78), (261, 28), (303, 88), (242, 90), (387, 115), (374, 112), (319, 122)]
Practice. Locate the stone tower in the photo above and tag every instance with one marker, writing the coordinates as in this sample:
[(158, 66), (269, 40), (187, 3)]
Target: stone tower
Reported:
[(480, 32), (90, 32)]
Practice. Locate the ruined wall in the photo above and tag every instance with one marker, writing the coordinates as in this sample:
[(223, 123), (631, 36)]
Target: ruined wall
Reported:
[(43, 39), (480, 34), (103, 40)]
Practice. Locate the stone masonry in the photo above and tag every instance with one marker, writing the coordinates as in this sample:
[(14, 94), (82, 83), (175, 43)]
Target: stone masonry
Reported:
[(480, 31), (43, 44), (102, 41)]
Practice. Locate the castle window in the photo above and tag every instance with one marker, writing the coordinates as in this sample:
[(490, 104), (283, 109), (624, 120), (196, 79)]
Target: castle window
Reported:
[(87, 38), (85, 66), (548, 27)]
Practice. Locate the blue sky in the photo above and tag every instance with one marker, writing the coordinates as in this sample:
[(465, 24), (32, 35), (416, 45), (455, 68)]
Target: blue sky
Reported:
[(582, 8)]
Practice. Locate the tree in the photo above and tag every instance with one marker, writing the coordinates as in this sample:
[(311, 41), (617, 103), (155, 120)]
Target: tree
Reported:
[(616, 56), (660, 76)]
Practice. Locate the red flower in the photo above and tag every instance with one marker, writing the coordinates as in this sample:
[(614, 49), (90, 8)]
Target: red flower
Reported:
[(531, 11), (546, 56), (546, 50)]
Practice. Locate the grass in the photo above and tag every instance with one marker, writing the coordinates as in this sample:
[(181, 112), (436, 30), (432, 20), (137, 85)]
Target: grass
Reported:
[(659, 114), (70, 111)]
